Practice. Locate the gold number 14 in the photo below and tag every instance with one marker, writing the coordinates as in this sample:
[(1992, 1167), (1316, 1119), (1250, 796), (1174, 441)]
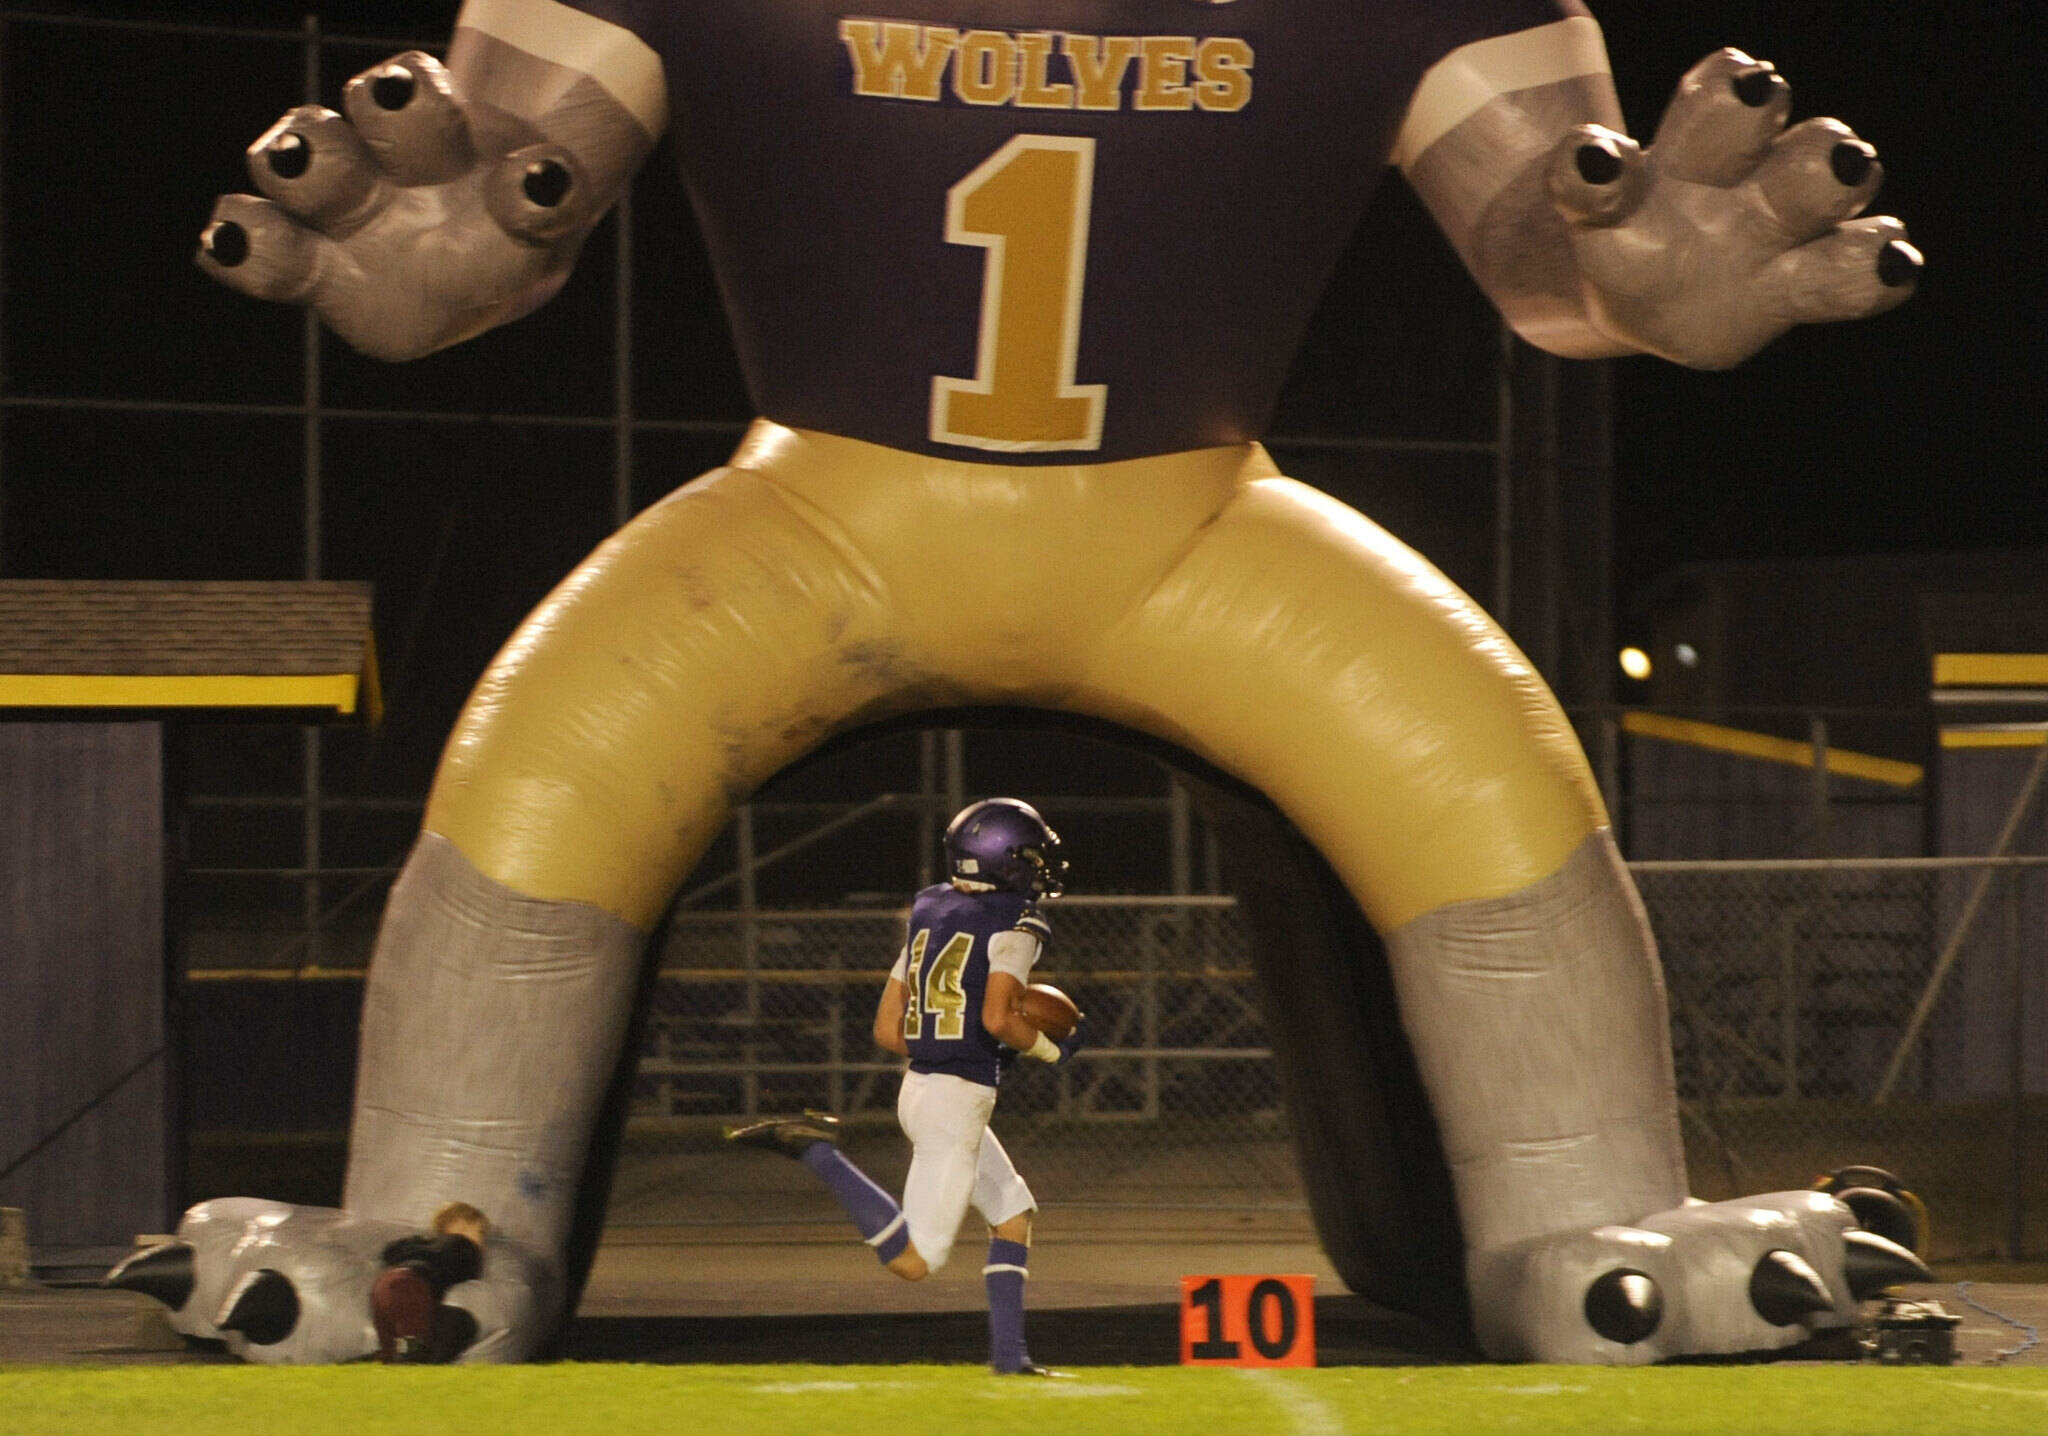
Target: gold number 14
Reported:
[(1027, 205)]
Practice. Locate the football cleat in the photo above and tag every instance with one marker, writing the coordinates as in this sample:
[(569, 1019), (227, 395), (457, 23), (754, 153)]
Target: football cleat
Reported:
[(1032, 1368), (787, 1136), (1004, 843)]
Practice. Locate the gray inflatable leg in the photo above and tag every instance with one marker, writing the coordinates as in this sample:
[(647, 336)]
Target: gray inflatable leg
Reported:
[(492, 1024), (1539, 1023)]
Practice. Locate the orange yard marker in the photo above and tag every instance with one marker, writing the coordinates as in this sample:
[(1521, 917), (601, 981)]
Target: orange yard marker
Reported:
[(1247, 1321)]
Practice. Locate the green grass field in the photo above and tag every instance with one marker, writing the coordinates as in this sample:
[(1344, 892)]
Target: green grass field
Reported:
[(1126, 1401)]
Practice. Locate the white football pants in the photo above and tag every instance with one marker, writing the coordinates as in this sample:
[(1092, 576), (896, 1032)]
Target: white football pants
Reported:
[(955, 1161)]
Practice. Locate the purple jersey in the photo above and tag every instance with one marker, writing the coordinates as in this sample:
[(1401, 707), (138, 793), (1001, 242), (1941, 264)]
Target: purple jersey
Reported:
[(1049, 231), (947, 971)]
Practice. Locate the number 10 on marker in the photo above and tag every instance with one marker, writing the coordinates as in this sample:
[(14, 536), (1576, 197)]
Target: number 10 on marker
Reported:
[(1247, 1321)]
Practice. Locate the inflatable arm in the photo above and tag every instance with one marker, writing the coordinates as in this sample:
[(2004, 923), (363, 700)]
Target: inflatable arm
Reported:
[(449, 200), (1727, 231)]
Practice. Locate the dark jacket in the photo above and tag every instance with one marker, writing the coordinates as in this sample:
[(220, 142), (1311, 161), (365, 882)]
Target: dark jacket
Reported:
[(444, 1261)]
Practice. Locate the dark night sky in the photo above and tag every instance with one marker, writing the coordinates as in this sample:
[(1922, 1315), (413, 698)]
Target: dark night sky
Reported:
[(1919, 431), (1915, 431)]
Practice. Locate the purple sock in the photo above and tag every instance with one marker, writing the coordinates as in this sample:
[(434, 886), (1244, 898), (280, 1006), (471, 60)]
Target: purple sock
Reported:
[(1004, 1278), (873, 1210)]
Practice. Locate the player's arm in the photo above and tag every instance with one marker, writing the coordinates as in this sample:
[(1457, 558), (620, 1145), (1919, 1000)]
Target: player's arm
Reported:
[(449, 199), (895, 1001), (1011, 956), (1702, 248), (1000, 1016)]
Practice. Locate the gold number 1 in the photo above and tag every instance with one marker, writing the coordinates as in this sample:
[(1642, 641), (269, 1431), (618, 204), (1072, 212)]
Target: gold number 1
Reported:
[(1027, 205)]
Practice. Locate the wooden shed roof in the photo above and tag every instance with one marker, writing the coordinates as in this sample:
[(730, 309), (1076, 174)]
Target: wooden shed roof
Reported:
[(153, 644)]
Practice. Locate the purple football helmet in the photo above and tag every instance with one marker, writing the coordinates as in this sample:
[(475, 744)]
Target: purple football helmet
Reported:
[(1004, 843)]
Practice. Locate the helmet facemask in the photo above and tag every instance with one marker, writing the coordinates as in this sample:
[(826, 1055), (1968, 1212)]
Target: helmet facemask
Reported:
[(1044, 870)]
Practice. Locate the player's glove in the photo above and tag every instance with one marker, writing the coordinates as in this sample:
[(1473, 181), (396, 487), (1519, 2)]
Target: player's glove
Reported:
[(1044, 1049), (1073, 1041)]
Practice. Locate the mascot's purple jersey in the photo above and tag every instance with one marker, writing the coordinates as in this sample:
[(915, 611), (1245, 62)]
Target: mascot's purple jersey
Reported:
[(948, 975), (1036, 230)]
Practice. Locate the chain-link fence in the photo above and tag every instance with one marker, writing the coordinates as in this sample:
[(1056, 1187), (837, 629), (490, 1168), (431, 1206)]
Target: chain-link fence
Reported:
[(1893, 1013), (1823, 1013), (1175, 1100)]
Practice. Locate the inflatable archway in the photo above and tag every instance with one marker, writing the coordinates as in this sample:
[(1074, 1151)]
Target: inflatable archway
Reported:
[(1021, 301), (800, 591), (816, 584)]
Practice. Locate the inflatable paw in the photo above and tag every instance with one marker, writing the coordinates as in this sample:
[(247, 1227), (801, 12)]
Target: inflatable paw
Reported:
[(416, 221), (1706, 1279), (1729, 229), (283, 1285)]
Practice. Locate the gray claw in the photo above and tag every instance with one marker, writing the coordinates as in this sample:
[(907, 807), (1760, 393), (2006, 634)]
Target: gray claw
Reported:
[(163, 1271), (1624, 1305), (1757, 83), (317, 168), (1873, 1263), (538, 194), (1599, 161), (1597, 176), (406, 110), (1785, 1289), (289, 156), (1722, 120), (263, 1306), (225, 242), (393, 86), (1851, 162), (1877, 1210), (1898, 264)]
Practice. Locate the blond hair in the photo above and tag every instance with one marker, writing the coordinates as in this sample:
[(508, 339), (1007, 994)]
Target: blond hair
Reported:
[(449, 1213)]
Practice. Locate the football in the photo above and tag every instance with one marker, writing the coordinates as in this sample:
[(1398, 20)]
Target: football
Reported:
[(1049, 1010)]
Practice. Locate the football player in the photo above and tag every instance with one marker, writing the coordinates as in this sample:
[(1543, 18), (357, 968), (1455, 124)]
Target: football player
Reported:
[(950, 1006)]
